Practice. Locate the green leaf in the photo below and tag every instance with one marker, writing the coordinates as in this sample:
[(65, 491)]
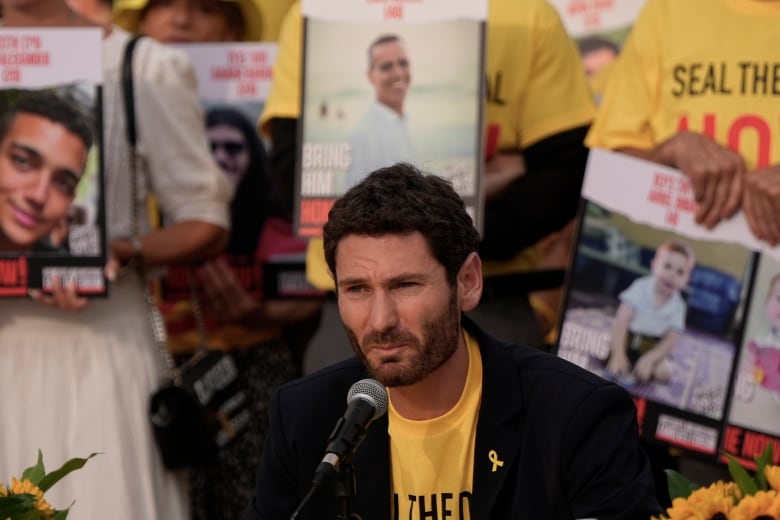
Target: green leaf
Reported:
[(679, 486), (741, 477), (762, 462), (31, 515), (15, 504), (71, 465), (61, 514), (35, 473)]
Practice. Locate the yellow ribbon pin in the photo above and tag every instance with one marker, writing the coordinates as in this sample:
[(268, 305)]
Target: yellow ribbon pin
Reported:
[(493, 456)]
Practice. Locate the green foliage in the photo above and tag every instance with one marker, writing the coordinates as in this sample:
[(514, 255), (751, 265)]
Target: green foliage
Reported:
[(679, 486), (55, 476), (22, 506), (750, 485)]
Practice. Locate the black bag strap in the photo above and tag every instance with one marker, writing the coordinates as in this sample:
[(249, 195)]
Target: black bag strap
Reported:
[(128, 93), (158, 323)]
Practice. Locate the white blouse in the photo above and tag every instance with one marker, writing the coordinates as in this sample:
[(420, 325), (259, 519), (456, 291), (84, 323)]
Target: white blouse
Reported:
[(172, 144)]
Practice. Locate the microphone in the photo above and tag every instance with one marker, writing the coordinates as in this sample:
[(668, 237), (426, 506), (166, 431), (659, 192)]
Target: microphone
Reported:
[(366, 401)]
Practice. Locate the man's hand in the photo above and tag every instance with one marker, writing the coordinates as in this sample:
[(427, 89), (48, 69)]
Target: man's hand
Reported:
[(644, 367), (501, 169), (63, 296), (618, 365), (761, 203), (716, 172), (226, 296)]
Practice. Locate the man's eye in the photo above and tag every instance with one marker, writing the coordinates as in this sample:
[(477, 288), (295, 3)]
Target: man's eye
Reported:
[(354, 289), (22, 162), (65, 184), (208, 7)]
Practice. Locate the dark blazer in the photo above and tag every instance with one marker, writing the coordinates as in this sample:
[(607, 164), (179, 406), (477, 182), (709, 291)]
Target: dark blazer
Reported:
[(568, 440)]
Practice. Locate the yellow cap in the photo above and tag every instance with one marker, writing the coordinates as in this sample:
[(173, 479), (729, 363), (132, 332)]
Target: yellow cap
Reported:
[(127, 15)]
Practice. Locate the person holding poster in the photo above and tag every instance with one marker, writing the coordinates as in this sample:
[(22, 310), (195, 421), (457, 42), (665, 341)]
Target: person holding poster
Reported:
[(86, 375), (44, 142), (381, 137), (474, 427), (703, 105), (537, 114), (238, 318)]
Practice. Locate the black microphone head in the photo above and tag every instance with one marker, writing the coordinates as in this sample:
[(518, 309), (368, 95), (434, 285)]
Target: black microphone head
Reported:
[(372, 391)]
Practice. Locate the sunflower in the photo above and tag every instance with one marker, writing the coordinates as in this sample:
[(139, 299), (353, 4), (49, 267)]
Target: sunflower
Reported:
[(764, 505), (25, 487), (711, 503), (772, 474)]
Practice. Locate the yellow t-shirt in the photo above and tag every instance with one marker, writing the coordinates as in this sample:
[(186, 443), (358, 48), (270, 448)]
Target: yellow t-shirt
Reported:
[(680, 70), (432, 461), (273, 12), (536, 88)]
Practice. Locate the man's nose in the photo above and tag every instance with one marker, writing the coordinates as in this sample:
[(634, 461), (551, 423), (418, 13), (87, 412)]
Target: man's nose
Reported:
[(383, 314), (37, 189), (182, 13)]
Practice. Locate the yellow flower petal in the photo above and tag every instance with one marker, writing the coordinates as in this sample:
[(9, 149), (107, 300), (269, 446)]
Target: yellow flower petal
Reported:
[(714, 501), (764, 505), (772, 474), (21, 487)]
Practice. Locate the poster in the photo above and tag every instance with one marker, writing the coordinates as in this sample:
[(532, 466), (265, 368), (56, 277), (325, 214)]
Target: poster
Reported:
[(659, 305), (386, 82), (599, 28), (52, 219), (754, 415), (233, 83)]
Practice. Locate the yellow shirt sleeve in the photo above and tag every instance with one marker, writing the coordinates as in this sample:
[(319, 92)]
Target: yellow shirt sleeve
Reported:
[(273, 12), (284, 98), (624, 118), (557, 97), (316, 267)]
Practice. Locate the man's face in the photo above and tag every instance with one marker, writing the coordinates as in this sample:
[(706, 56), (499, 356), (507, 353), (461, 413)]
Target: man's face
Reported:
[(773, 305), (597, 59), (390, 74), (230, 150), (671, 271), (40, 165), (190, 21), (401, 316)]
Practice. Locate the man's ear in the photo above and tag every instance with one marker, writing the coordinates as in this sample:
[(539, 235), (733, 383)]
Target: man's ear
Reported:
[(469, 283)]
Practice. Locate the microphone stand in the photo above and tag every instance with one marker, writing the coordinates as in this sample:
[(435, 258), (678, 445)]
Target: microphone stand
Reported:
[(345, 490)]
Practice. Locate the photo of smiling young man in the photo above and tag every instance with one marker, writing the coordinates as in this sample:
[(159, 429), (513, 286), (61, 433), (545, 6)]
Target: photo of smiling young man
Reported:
[(381, 137), (377, 93), (44, 144)]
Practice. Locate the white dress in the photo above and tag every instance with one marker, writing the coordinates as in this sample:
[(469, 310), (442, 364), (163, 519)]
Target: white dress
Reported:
[(73, 384)]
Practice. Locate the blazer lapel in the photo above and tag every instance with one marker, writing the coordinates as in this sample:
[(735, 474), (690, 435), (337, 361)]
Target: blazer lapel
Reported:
[(497, 443)]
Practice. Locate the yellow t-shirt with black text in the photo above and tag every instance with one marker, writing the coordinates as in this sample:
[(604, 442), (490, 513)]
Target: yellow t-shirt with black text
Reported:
[(684, 68), (432, 461)]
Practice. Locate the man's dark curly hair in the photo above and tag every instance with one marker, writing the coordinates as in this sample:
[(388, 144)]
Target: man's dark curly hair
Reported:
[(400, 199), (54, 107)]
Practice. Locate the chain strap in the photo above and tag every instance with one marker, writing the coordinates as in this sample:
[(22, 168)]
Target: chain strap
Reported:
[(158, 323)]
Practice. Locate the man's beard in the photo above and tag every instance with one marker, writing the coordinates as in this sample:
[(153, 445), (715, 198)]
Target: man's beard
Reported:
[(438, 344)]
